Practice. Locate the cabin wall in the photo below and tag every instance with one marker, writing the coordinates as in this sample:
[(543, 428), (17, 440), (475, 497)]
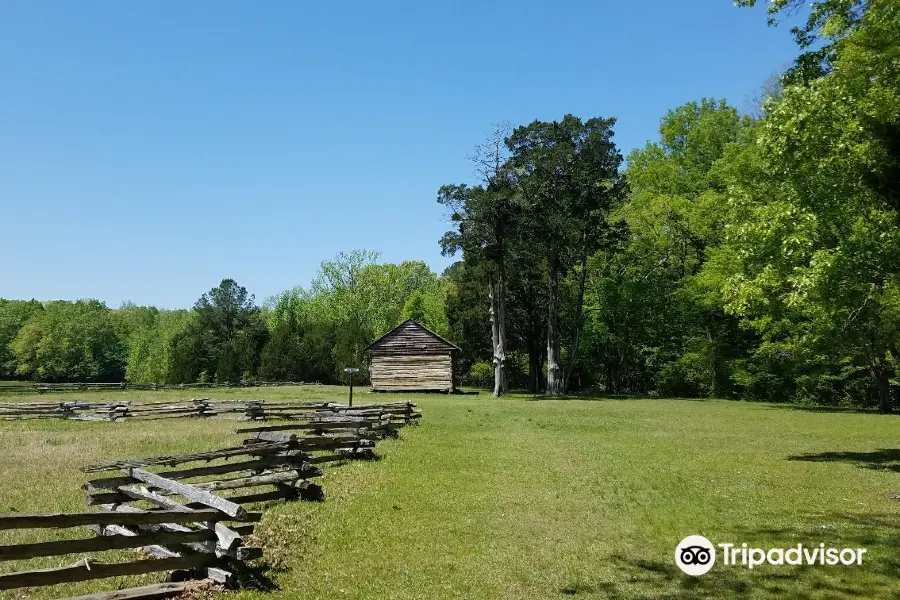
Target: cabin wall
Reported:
[(408, 372)]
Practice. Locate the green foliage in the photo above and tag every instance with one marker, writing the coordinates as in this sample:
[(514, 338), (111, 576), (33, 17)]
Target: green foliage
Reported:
[(70, 341), (567, 172), (480, 374), (13, 315), (655, 323), (150, 346), (827, 23), (223, 339), (427, 306), (467, 317), (353, 299), (298, 352)]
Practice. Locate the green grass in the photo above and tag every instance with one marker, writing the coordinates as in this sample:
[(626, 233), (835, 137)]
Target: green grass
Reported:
[(4, 382), (515, 498)]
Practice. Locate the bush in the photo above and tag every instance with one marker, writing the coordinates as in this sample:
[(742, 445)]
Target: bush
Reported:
[(480, 375)]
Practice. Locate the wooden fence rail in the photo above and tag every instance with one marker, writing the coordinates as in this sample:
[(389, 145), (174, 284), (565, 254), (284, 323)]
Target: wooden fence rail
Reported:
[(201, 502), (397, 413), (189, 528)]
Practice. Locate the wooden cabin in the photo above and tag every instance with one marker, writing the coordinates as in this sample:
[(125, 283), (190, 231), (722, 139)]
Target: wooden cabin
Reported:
[(412, 358)]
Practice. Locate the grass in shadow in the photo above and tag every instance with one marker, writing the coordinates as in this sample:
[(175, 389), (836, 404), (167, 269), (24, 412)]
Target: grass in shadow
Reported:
[(884, 459), (813, 408)]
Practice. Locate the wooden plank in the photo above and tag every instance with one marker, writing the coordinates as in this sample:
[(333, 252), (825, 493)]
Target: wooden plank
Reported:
[(59, 520), (160, 418), (327, 443), (282, 460), (219, 575), (155, 550), (254, 481), (191, 493), (88, 569), (260, 450), (286, 460), (339, 424), (227, 537), (326, 458), (245, 553), (230, 540), (279, 494), (275, 436), (253, 516), (100, 499), (146, 592), (244, 529), (207, 546), (100, 544)]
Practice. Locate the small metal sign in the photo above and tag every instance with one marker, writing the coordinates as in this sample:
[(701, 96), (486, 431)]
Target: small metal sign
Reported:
[(351, 371)]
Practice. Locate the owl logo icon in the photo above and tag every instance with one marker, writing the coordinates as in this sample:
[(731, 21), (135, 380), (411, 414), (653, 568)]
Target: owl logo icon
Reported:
[(695, 555)]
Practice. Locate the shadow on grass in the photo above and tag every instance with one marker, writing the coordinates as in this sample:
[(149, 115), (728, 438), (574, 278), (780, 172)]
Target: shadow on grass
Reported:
[(256, 577), (591, 397), (877, 577), (826, 409), (885, 459), (607, 397)]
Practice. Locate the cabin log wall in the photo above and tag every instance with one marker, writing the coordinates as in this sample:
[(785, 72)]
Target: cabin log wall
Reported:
[(412, 358)]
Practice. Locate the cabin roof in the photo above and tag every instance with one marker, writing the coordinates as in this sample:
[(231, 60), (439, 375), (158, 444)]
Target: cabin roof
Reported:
[(389, 334)]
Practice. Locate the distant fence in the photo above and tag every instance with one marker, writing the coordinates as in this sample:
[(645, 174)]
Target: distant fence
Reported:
[(44, 388), (199, 521), (255, 410)]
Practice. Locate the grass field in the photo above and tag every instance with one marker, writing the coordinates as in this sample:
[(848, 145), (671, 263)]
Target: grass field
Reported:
[(515, 498), (24, 384)]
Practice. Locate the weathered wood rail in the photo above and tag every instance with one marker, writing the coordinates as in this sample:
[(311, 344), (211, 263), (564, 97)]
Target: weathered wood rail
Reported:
[(190, 527), (253, 410), (108, 411), (192, 512)]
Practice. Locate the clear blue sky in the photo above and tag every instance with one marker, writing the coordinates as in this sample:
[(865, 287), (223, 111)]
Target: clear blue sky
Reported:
[(150, 149)]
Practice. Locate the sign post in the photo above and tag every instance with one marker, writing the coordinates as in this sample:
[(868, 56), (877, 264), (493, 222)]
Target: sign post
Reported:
[(350, 371)]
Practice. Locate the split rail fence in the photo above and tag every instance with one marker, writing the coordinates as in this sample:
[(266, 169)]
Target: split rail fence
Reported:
[(257, 410), (191, 513)]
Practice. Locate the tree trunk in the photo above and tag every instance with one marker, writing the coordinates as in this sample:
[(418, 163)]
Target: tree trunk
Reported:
[(534, 369), (713, 375), (554, 379), (498, 335), (879, 371), (501, 347), (535, 354), (882, 386), (579, 322)]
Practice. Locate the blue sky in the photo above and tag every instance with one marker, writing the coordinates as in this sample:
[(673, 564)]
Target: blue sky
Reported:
[(150, 149)]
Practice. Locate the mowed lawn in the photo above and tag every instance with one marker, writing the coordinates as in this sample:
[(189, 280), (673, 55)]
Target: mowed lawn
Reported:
[(519, 498)]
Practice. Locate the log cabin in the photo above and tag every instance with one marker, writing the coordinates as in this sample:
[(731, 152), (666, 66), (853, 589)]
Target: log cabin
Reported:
[(412, 358)]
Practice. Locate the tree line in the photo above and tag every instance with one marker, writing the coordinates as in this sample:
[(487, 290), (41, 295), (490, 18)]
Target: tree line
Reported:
[(299, 335), (750, 256), (742, 254)]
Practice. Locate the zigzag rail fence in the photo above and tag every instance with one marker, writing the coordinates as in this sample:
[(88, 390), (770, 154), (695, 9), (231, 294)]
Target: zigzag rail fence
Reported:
[(191, 518), (198, 407)]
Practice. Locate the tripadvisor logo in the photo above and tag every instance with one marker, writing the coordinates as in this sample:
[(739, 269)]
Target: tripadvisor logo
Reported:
[(696, 555)]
